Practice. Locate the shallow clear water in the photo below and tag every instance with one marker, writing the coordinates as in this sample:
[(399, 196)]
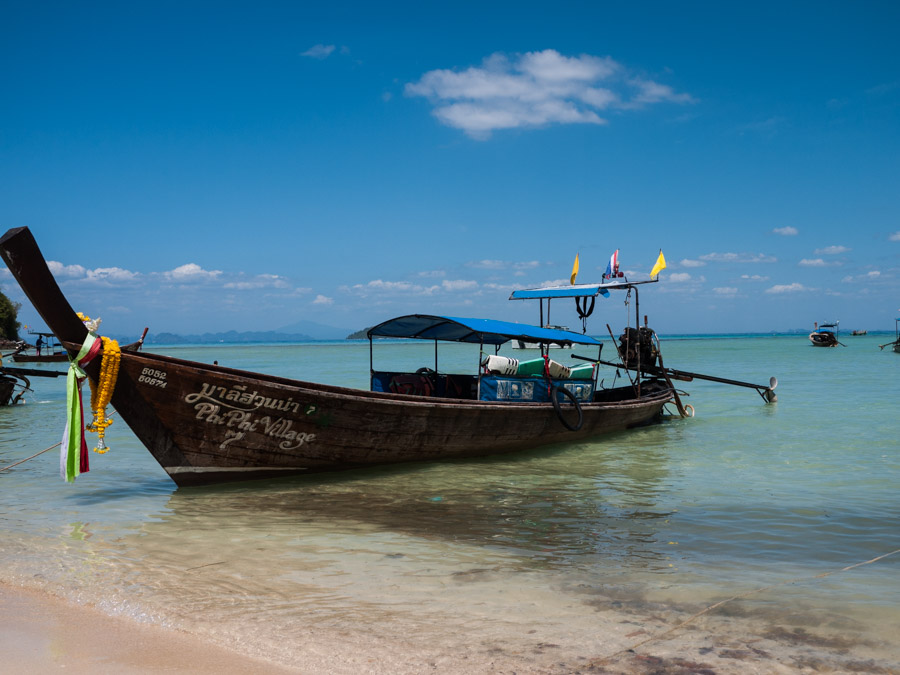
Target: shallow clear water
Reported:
[(573, 546)]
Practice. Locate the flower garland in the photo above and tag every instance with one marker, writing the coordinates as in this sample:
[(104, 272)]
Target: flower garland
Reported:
[(102, 391)]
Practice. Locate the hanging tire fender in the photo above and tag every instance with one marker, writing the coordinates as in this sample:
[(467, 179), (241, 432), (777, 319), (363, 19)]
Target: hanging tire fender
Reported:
[(557, 406)]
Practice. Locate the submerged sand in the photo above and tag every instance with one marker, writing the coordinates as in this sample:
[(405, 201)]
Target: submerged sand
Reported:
[(42, 634)]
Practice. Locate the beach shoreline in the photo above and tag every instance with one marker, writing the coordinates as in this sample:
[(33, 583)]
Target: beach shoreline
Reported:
[(42, 633)]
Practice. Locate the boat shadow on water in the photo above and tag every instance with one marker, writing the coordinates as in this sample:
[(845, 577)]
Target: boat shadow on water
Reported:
[(545, 507)]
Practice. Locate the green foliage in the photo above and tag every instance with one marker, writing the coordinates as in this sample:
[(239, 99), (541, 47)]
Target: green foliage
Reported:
[(9, 312)]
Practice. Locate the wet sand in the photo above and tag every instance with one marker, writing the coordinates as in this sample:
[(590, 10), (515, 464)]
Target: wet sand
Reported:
[(42, 634)]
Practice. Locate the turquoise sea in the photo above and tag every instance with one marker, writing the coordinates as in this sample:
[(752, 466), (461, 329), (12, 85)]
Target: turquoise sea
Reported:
[(552, 561)]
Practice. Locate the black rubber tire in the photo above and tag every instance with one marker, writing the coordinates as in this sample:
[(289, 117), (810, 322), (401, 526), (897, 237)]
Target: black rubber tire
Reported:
[(557, 406)]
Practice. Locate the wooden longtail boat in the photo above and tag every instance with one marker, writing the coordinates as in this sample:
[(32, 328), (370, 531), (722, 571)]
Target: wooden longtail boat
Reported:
[(51, 351), (210, 424), (825, 335), (13, 379), (895, 345)]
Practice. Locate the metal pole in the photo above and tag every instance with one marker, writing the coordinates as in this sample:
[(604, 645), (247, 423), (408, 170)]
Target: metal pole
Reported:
[(371, 368), (480, 369), (637, 323)]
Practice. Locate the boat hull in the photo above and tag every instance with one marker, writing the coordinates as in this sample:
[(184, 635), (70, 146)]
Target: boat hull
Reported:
[(34, 358), (208, 424), (823, 339), (7, 387), (228, 425)]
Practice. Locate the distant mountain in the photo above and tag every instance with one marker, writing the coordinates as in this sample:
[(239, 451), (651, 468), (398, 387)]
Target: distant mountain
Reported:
[(359, 335), (231, 336), (302, 331), (316, 331)]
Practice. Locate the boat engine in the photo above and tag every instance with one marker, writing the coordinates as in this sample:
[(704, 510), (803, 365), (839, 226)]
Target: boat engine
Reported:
[(637, 345)]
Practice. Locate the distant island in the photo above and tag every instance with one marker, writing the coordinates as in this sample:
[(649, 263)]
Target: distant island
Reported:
[(231, 336), (359, 335), (242, 337), (302, 331)]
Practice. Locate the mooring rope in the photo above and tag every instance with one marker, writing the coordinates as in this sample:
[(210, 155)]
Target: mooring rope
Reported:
[(38, 454), (654, 638), (22, 461)]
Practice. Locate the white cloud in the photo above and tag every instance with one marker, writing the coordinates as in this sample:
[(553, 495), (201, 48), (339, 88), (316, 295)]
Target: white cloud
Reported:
[(391, 288), (895, 236), (491, 286), (754, 277), (816, 262), (459, 285), (788, 288), (487, 264), (323, 300), (259, 281), (739, 257), (831, 250), (871, 275), (502, 264), (692, 263), (535, 89), (319, 51), (108, 276), (787, 231), (725, 290), (71, 271), (679, 277), (191, 272), (653, 92)]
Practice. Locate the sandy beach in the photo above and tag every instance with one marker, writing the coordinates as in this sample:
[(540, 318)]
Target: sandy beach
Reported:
[(42, 634)]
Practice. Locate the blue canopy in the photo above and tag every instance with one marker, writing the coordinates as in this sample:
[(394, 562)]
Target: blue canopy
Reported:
[(579, 291), (576, 291), (478, 331)]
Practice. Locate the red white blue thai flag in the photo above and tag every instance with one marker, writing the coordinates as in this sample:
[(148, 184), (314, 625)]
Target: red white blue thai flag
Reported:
[(612, 268)]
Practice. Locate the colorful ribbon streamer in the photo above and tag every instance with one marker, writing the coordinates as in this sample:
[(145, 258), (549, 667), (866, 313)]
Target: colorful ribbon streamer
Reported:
[(73, 454)]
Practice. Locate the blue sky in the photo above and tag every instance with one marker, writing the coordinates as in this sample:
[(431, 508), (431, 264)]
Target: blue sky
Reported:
[(211, 166)]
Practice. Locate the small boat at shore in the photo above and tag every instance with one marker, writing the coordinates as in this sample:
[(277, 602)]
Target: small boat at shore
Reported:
[(45, 350), (15, 382), (859, 332), (825, 335), (211, 424), (895, 345), (8, 386)]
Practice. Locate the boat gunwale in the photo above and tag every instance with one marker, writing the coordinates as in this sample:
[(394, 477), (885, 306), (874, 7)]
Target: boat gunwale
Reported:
[(337, 391)]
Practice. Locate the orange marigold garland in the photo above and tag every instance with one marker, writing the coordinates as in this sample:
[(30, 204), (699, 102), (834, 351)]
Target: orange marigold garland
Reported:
[(102, 391)]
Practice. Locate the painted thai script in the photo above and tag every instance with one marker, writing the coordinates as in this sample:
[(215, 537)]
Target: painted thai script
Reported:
[(239, 398)]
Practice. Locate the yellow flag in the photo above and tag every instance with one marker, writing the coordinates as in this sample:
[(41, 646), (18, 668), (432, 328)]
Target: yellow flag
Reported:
[(574, 271), (659, 266)]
